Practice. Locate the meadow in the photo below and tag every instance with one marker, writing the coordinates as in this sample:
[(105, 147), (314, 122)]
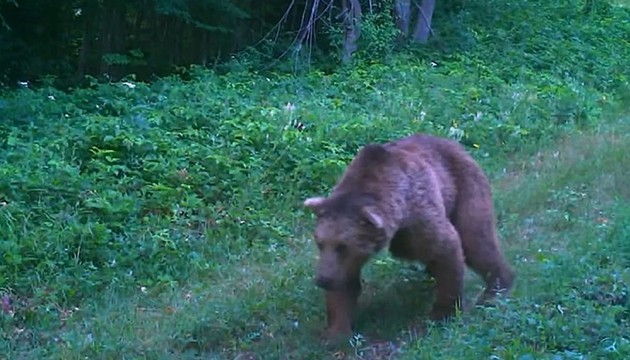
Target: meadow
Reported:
[(164, 220)]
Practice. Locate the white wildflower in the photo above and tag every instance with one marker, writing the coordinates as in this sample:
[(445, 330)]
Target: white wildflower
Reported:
[(289, 107)]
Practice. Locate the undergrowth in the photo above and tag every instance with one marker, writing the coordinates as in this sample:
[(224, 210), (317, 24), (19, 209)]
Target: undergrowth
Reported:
[(118, 199)]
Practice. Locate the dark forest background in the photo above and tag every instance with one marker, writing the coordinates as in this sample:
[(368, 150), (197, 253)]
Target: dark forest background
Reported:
[(114, 38)]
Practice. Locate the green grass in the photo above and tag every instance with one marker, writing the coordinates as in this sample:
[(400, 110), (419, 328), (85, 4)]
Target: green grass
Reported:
[(163, 220), (565, 220)]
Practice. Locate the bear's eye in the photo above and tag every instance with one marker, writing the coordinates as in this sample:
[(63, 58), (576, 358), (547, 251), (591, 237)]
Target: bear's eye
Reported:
[(341, 249), (365, 223), (319, 245)]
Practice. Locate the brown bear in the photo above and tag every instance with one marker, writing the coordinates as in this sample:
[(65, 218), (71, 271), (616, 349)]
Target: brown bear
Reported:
[(425, 199)]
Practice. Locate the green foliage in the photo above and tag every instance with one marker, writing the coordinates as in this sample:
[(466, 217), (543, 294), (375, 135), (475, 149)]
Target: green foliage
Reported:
[(378, 34), (178, 202)]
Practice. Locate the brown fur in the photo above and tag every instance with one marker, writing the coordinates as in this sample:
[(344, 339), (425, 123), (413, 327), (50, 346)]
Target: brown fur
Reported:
[(425, 199)]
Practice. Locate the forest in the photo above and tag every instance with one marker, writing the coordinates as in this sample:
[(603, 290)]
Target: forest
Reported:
[(155, 156), (72, 39)]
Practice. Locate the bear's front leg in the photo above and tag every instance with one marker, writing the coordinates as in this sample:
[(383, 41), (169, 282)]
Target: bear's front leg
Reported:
[(340, 305), (448, 282), (448, 269)]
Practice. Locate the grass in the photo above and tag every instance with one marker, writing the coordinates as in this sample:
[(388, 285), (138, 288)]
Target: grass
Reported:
[(163, 220), (564, 222)]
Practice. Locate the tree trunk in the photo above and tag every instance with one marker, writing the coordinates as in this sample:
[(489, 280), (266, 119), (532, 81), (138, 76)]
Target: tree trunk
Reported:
[(423, 25), (90, 17), (118, 38), (203, 47), (112, 35), (352, 24), (402, 10), (105, 39)]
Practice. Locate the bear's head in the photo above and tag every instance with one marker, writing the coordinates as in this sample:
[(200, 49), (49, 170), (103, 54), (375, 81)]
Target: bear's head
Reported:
[(349, 230)]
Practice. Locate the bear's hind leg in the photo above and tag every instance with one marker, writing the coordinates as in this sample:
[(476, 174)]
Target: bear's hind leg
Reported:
[(482, 251)]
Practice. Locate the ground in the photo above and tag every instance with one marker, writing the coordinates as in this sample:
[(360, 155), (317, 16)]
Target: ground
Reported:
[(564, 221)]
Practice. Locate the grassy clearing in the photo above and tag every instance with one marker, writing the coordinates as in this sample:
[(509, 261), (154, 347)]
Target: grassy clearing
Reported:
[(163, 220), (565, 220)]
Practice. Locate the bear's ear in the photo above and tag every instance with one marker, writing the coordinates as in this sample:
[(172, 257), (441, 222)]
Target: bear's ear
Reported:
[(370, 214), (314, 202), (374, 154)]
